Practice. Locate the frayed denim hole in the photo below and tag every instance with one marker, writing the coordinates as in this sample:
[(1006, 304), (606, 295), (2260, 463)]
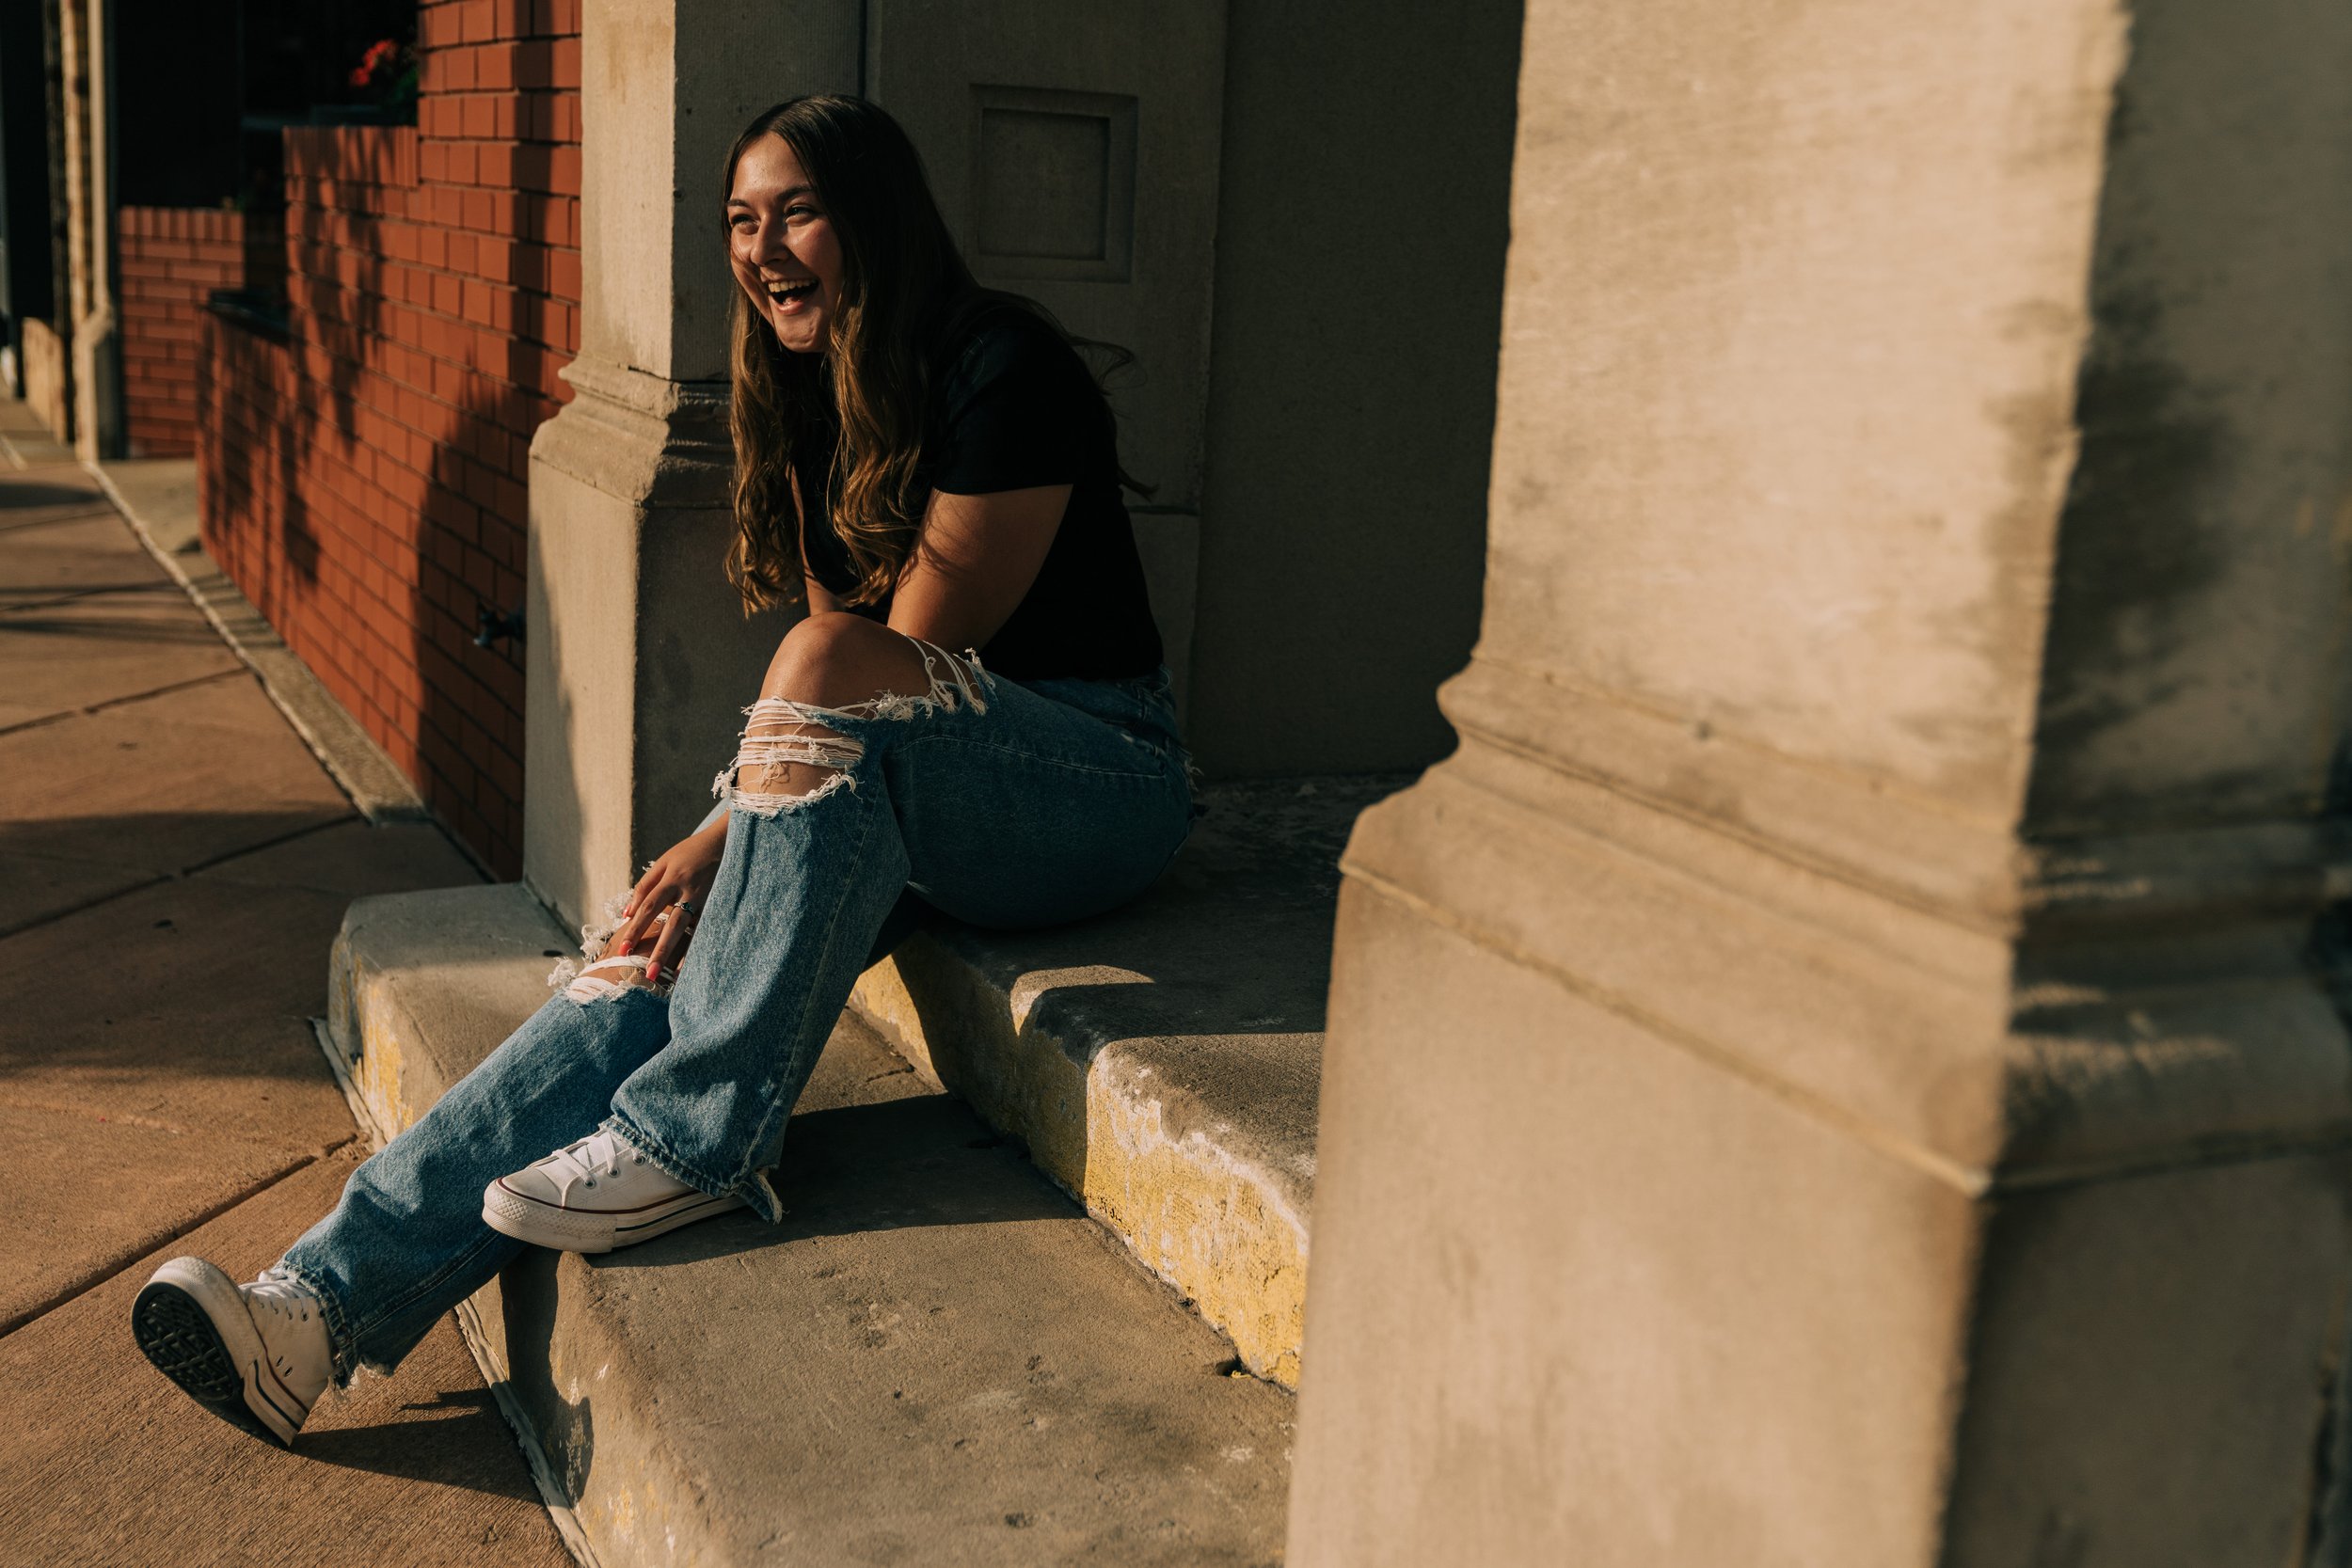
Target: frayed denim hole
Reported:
[(780, 731), (593, 934), (603, 980)]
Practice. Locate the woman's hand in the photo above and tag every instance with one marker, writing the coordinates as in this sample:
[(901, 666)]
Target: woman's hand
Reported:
[(684, 874)]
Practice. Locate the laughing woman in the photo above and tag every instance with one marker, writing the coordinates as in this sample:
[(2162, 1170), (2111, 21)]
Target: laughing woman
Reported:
[(933, 468)]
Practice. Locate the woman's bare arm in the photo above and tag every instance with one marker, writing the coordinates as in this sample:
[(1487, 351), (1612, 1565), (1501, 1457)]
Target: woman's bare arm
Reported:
[(977, 558)]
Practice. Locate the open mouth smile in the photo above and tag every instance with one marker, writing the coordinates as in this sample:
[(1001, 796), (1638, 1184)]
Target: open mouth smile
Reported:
[(785, 293)]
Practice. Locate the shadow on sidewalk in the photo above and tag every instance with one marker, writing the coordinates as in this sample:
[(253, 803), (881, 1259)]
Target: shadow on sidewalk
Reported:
[(175, 844), (23, 495), (409, 1449), (98, 614)]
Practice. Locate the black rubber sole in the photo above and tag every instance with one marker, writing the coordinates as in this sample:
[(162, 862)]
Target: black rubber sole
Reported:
[(176, 1335)]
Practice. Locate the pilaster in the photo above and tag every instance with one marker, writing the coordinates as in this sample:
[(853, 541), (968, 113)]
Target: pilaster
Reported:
[(638, 655), (1835, 1069), (87, 63)]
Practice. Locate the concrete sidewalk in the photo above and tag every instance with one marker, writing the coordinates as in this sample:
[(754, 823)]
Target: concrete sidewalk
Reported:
[(174, 862)]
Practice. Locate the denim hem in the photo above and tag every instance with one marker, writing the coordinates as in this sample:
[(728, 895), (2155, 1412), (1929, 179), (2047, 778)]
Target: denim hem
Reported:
[(665, 1160), (427, 1289)]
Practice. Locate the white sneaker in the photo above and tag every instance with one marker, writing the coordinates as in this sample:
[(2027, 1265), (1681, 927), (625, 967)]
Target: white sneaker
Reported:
[(593, 1195), (256, 1355)]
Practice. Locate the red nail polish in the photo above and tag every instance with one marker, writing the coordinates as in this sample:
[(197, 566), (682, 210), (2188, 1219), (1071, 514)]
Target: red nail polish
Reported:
[(620, 949)]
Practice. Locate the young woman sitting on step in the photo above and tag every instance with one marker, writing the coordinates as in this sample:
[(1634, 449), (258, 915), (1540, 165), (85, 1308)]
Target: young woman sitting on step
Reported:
[(935, 469)]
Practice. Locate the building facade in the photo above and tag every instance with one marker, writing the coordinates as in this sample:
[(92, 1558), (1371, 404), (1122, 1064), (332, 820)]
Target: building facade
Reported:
[(1842, 1059)]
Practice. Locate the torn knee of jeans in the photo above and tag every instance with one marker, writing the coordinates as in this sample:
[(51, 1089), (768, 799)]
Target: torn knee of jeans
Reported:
[(605, 978), (792, 755), (597, 974), (952, 681), (788, 757)]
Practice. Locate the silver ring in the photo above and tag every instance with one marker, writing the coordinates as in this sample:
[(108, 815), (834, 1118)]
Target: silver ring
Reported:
[(683, 906)]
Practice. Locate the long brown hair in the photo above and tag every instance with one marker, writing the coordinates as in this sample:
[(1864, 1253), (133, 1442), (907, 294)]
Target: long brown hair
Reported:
[(854, 413)]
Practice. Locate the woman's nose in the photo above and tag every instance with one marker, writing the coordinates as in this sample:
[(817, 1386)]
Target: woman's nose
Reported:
[(767, 242)]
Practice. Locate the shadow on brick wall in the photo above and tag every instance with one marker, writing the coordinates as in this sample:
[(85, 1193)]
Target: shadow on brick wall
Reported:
[(363, 456)]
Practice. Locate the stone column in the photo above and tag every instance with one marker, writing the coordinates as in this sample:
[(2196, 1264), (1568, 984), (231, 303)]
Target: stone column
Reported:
[(1840, 1067), (639, 658), (86, 64)]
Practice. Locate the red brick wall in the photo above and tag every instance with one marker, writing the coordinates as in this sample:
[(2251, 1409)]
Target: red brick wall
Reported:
[(169, 258), (362, 476)]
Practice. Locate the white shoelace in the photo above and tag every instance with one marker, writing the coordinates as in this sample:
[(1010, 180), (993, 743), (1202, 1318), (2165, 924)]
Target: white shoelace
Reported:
[(283, 1294), (597, 1154), (290, 1302)]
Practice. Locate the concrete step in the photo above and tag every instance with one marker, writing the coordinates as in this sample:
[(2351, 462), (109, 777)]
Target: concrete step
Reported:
[(1161, 1063), (936, 1359)]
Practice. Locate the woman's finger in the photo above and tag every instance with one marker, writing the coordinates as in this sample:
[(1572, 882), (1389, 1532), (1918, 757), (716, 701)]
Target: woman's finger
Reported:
[(646, 885), (655, 960), (631, 933), (669, 948)]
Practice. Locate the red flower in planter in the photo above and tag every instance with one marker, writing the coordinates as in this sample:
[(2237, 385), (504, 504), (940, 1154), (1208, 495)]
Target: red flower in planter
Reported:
[(380, 54)]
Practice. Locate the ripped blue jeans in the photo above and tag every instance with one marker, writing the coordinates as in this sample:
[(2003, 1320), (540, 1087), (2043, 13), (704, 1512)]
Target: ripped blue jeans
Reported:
[(1001, 803)]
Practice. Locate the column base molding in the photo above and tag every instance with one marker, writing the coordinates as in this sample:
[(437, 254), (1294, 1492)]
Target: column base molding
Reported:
[(641, 437), (638, 655), (2093, 1008)]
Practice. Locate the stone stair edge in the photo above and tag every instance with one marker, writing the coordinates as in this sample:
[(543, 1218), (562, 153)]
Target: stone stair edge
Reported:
[(1213, 1216)]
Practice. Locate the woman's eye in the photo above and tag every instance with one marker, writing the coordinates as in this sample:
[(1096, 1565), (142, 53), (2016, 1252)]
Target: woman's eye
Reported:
[(799, 211)]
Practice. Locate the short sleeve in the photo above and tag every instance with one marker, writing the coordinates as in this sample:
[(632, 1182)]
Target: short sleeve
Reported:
[(1016, 411)]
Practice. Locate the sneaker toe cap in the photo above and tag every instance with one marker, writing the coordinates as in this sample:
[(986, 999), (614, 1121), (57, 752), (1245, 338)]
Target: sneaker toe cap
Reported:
[(530, 1185)]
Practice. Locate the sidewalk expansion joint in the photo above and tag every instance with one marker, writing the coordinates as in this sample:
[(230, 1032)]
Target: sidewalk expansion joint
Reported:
[(14, 447), (67, 913), (100, 1276), (75, 596), (225, 858), (97, 509), (120, 701)]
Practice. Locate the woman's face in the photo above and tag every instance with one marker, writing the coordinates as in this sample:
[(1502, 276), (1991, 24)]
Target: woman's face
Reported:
[(783, 246)]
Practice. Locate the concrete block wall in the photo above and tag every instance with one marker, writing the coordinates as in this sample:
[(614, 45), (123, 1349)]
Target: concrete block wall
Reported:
[(169, 259), (363, 474)]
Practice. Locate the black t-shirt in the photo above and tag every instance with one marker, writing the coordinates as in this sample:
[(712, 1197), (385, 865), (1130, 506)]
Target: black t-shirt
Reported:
[(1015, 407)]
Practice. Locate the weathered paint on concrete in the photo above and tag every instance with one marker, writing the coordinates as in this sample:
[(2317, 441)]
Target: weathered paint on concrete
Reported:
[(419, 982), (1161, 1063), (1202, 1218), (1211, 1223)]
